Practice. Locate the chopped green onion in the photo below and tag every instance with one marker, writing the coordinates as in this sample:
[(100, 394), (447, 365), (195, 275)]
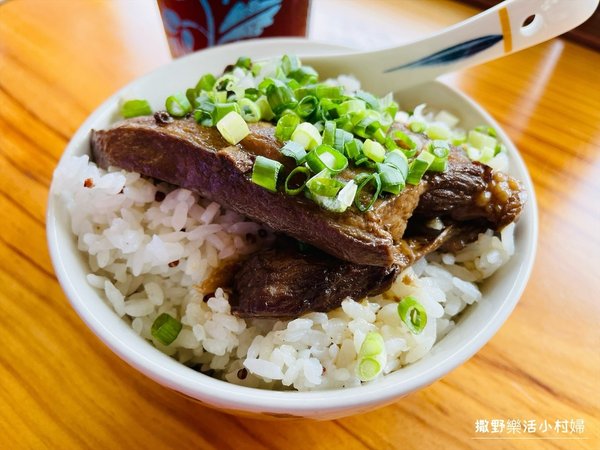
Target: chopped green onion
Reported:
[(397, 159), (306, 106), (219, 97), (135, 108), (328, 91), (225, 83), (244, 62), (251, 94), (286, 126), (365, 206), (438, 165), (438, 131), (441, 150), (307, 135), (178, 105), (329, 133), (403, 140), (328, 109), (206, 83), (222, 109), (342, 137), (388, 105), (372, 356), (266, 113), (351, 106), (265, 172), (249, 110), (458, 138), (368, 368), (304, 75), (392, 180), (290, 63), (368, 98), (354, 149), (305, 172), (379, 135), (233, 127), (322, 184), (280, 97), (294, 150), (165, 329), (413, 314), (368, 125), (418, 167), (417, 127), (480, 140), (487, 130), (347, 194), (374, 150), (204, 114), (192, 95), (326, 157)]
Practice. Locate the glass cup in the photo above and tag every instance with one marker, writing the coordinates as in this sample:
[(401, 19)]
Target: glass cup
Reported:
[(192, 25)]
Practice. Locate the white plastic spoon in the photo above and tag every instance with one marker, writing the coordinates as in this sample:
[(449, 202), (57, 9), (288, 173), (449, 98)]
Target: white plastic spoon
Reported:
[(506, 28)]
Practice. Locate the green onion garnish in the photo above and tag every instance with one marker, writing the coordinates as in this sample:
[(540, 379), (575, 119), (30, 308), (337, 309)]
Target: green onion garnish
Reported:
[(249, 111), (418, 167), (374, 150), (412, 314), (329, 133), (178, 105), (321, 184), (225, 83), (304, 75), (326, 157), (370, 199), (307, 106), (206, 83), (392, 180), (354, 149), (294, 150), (286, 126), (222, 109), (307, 135), (291, 180), (266, 113), (328, 91), (481, 140), (135, 108), (280, 97), (233, 127), (438, 131), (342, 137), (244, 62), (404, 141), (417, 127), (372, 356), (487, 130), (165, 329), (265, 172), (368, 98), (397, 159)]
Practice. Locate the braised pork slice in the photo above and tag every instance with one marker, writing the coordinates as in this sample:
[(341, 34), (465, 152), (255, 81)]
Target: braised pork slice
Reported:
[(287, 281), (186, 154)]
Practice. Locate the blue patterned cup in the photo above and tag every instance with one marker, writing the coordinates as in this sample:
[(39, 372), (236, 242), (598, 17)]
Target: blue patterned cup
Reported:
[(192, 25)]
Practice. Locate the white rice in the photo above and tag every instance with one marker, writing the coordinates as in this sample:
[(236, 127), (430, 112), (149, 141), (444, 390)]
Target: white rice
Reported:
[(146, 257)]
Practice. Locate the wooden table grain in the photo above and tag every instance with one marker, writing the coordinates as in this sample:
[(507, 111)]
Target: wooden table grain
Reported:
[(61, 388)]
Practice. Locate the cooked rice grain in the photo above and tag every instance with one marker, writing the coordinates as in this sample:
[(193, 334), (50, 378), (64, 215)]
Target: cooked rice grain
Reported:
[(150, 244)]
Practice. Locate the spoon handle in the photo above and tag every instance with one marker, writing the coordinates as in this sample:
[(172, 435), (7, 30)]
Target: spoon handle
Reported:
[(506, 28)]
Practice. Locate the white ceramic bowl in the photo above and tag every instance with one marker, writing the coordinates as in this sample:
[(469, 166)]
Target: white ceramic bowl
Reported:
[(475, 327)]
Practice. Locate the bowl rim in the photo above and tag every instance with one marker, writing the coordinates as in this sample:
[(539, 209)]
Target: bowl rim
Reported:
[(177, 376)]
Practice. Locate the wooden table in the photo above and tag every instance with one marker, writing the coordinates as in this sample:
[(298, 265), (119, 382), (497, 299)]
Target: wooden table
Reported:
[(60, 387)]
